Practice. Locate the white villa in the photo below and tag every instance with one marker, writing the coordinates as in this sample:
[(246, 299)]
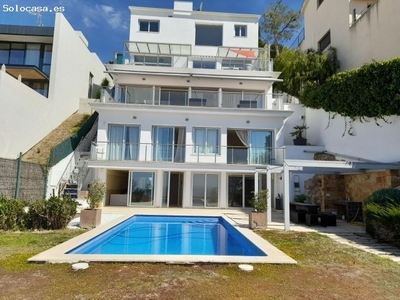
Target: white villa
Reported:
[(192, 121)]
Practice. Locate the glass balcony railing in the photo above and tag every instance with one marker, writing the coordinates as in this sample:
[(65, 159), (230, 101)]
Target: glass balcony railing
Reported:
[(195, 57), (173, 153)]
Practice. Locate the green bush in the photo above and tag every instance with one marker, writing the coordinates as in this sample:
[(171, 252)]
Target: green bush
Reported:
[(259, 201), (300, 198), (54, 213), (382, 215), (12, 214)]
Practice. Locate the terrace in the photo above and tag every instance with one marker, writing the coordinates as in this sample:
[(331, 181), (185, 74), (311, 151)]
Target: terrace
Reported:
[(195, 57), (175, 153)]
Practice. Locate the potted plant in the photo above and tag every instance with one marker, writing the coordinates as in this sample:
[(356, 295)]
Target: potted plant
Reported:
[(91, 217), (298, 133), (300, 198), (258, 217)]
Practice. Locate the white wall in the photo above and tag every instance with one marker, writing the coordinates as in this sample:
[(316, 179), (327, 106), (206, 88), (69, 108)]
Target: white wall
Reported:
[(184, 24), (21, 121), (373, 36), (370, 142), (25, 116)]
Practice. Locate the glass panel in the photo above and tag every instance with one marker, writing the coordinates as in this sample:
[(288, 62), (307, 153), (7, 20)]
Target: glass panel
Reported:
[(32, 55), (212, 141), (154, 26), (17, 54), (163, 140), (165, 61), (4, 52), (47, 54), (260, 144), (165, 189), (198, 64), (142, 188), (235, 186), (212, 190), (131, 143), (116, 139), (198, 190), (140, 95), (143, 25), (248, 189), (199, 140)]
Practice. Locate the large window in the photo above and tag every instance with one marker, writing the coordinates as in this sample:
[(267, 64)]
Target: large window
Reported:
[(149, 26), (206, 140), (240, 188), (205, 190), (240, 30), (324, 42), (123, 142), (208, 35), (203, 64), (142, 188), (162, 61)]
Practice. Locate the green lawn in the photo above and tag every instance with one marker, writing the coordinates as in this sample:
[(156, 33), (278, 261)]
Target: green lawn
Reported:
[(325, 270)]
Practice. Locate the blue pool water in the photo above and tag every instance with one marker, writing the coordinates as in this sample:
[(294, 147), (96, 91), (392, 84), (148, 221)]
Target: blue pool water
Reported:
[(171, 235)]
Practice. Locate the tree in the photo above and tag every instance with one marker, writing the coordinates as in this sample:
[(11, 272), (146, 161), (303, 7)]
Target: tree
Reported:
[(300, 67), (278, 24)]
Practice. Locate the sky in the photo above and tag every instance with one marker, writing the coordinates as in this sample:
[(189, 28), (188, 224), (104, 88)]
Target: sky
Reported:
[(105, 23)]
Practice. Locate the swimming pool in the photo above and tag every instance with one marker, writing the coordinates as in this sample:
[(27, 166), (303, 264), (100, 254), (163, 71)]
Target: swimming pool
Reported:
[(170, 235)]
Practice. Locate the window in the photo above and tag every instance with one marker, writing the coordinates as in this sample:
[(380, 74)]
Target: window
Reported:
[(4, 53), (324, 42), (240, 30), (142, 188), (200, 64), (149, 26), (319, 2), (208, 35), (162, 61), (206, 140), (123, 142), (205, 190)]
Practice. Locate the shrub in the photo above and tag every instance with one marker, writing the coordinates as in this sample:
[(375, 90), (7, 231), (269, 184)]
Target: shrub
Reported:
[(96, 192), (54, 213), (12, 214), (300, 198), (259, 201), (382, 215)]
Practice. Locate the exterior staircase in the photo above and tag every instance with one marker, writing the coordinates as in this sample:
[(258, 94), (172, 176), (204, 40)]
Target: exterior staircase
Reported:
[(77, 169)]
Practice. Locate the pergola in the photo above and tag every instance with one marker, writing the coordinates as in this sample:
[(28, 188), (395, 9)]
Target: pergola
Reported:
[(317, 167)]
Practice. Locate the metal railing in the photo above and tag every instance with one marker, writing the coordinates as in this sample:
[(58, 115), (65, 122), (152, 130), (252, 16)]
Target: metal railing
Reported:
[(356, 17), (188, 56), (174, 153), (297, 41)]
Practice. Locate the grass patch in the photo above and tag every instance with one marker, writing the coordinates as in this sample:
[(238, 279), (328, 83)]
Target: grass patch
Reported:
[(40, 153), (325, 270)]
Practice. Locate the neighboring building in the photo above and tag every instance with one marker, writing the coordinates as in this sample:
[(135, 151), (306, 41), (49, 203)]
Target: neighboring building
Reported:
[(360, 30), (192, 122), (45, 73)]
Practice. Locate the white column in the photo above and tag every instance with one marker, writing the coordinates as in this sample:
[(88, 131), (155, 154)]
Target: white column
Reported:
[(220, 97), (187, 191), (286, 196), (116, 92), (269, 210), (223, 187), (256, 181), (158, 188)]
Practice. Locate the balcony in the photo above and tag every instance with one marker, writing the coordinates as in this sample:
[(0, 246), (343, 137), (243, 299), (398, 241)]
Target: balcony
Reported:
[(195, 57), (173, 153), (159, 96)]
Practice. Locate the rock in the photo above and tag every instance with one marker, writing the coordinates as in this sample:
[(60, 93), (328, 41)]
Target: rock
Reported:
[(246, 268), (80, 266)]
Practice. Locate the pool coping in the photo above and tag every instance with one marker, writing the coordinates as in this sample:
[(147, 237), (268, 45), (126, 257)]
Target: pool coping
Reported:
[(58, 254)]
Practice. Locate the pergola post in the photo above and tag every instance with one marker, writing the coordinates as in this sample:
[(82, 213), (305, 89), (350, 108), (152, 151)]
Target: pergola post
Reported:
[(286, 196), (269, 209)]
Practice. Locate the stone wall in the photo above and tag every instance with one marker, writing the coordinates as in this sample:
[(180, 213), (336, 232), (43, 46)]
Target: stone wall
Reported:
[(32, 180), (327, 189)]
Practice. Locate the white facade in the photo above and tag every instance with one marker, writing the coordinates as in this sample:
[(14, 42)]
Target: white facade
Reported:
[(360, 30), (26, 116), (192, 122)]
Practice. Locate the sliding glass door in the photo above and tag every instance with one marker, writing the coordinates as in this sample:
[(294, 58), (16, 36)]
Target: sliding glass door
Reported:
[(123, 142), (169, 143), (142, 188), (205, 190), (240, 188)]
